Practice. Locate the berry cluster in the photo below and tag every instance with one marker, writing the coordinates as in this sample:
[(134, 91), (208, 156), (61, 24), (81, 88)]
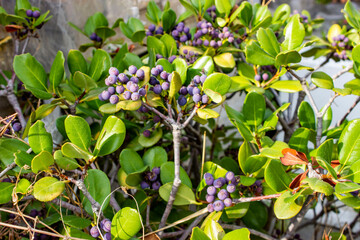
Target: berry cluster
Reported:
[(32, 14), (207, 35), (189, 56), (16, 126), (125, 84), (170, 59), (105, 225), (194, 90), (95, 37), (263, 77), (181, 33), (212, 12), (151, 179), (153, 31), (341, 45), (220, 188)]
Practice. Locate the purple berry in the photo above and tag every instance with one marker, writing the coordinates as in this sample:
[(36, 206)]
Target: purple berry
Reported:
[(123, 78), (154, 71), (112, 79), (134, 88), (265, 76), (160, 68), (163, 75), (218, 205), (6, 180), (147, 133), (210, 207), (231, 188), (132, 69), (341, 44), (196, 90), (16, 126), (203, 78), (157, 89), (190, 90), (107, 236), (114, 99), (227, 202), (222, 194), (93, 36), (113, 71), (152, 27), (156, 119), (175, 33), (142, 92), (257, 77), (212, 43), (197, 98), (165, 86), (231, 39), (105, 95), (29, 13), (36, 14), (127, 95), (156, 170), (169, 77), (209, 179), (140, 74), (120, 89), (151, 176), (183, 90), (211, 190), (98, 39), (206, 43), (156, 185), (100, 97), (153, 81), (204, 99), (210, 198), (182, 100), (183, 38), (106, 225), (135, 96), (355, 193), (196, 79), (134, 79), (94, 232), (144, 185), (218, 183), (160, 30), (33, 213), (229, 176), (111, 90), (172, 58), (159, 56)]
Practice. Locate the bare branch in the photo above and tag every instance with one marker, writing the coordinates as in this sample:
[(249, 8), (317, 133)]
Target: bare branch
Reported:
[(192, 114), (8, 168), (254, 199), (345, 70), (191, 226), (348, 112)]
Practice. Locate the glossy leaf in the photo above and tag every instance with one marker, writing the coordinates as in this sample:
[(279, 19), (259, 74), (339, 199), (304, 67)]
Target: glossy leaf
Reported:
[(294, 33), (99, 65), (286, 57), (225, 61), (322, 80), (73, 151), (286, 206), (83, 81), (254, 109), (155, 157), (206, 63), (184, 195), (243, 233), (39, 138), (288, 86), (319, 185), (130, 161), (42, 161), (167, 174), (346, 187), (238, 120), (213, 230), (47, 189), (256, 55), (349, 143), (125, 224), (175, 84), (78, 131), (57, 71), (76, 62), (276, 177), (306, 115), (6, 190), (300, 139), (63, 162), (198, 234), (268, 41), (207, 113)]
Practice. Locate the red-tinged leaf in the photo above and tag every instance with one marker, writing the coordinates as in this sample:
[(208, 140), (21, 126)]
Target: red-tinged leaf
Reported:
[(293, 157), (314, 163), (13, 28), (329, 181), (335, 163), (131, 47), (297, 181)]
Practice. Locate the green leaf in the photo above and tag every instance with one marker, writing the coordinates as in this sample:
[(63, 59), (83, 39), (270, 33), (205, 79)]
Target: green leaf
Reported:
[(238, 120), (83, 81), (42, 161), (319, 186), (349, 200), (167, 174), (327, 118), (152, 140), (155, 157), (254, 109), (346, 187), (299, 140), (306, 115), (184, 195), (57, 71), (294, 33), (6, 190), (245, 13), (287, 57), (111, 137), (352, 15), (153, 13), (76, 62), (218, 82), (168, 19), (74, 232), (99, 65), (349, 143), (243, 234), (98, 185), (223, 6), (322, 80), (73, 151), (239, 83), (276, 177), (256, 216), (286, 206), (125, 224), (170, 45), (39, 138), (65, 162), (8, 147), (205, 63), (180, 66), (198, 234), (130, 161), (22, 159), (47, 189), (175, 84), (206, 113), (289, 86), (268, 41), (76, 222), (244, 153), (256, 55), (32, 74), (282, 13), (104, 32), (23, 186), (254, 164), (94, 21), (225, 61), (237, 211), (325, 151), (213, 230), (78, 131)]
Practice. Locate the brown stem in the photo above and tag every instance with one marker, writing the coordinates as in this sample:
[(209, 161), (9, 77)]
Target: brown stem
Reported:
[(348, 112)]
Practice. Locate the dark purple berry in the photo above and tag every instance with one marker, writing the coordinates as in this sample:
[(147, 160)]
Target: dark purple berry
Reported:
[(190, 90), (6, 180), (211, 190), (134, 79), (140, 74), (93, 36), (210, 207), (160, 68), (16, 126), (227, 202), (196, 90), (156, 185), (107, 236), (157, 89), (156, 119), (156, 170), (183, 38), (144, 185), (134, 88), (98, 39), (153, 81), (155, 71), (114, 99), (94, 232), (159, 56), (147, 133), (206, 43), (172, 58), (33, 213), (231, 188), (100, 97), (183, 90), (197, 79), (210, 198), (123, 78), (218, 205), (36, 14), (29, 13), (209, 179), (132, 69), (142, 92), (160, 30), (203, 78), (151, 176), (152, 27), (182, 100)]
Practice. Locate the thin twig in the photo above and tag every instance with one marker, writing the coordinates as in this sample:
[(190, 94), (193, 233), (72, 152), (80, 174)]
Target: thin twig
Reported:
[(187, 121), (254, 199), (348, 112), (191, 226), (345, 70), (8, 168)]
